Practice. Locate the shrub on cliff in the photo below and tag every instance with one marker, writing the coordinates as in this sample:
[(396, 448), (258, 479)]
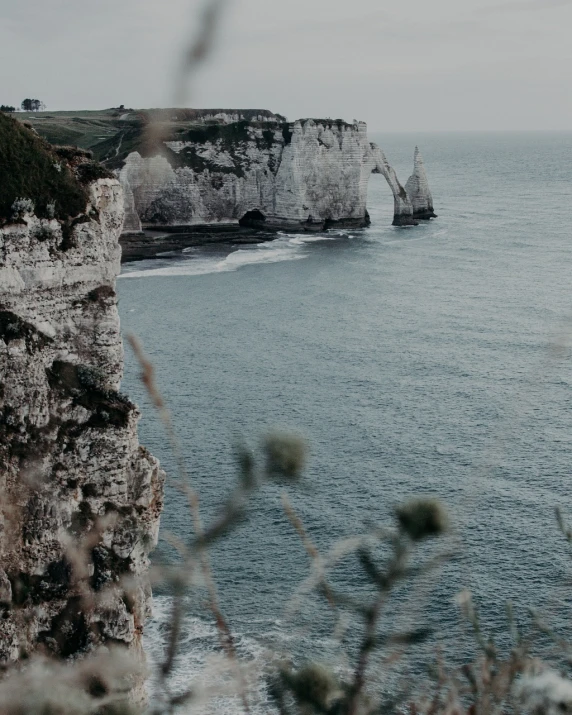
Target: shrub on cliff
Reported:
[(29, 167), (89, 171)]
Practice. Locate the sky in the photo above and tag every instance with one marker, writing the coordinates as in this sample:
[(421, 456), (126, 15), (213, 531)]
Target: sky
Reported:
[(412, 65)]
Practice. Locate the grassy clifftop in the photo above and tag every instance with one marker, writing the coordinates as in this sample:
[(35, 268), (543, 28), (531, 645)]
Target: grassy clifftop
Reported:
[(111, 134), (32, 169)]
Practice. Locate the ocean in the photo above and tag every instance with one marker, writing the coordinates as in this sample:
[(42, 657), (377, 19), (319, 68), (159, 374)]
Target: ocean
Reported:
[(433, 360)]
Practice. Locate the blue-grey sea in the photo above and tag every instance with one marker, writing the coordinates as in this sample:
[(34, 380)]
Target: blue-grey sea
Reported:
[(433, 360)]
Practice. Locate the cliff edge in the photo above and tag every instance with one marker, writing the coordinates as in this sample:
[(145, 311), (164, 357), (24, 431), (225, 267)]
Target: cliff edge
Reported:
[(307, 175), (197, 174), (80, 499)]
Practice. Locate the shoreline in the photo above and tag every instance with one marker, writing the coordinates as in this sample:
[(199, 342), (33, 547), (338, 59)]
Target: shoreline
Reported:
[(154, 243)]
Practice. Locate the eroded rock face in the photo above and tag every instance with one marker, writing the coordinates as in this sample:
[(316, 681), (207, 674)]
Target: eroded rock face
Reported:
[(80, 499), (308, 175), (417, 188)]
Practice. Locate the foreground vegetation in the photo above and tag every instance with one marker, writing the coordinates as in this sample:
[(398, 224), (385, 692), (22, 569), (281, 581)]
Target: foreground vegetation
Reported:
[(388, 557)]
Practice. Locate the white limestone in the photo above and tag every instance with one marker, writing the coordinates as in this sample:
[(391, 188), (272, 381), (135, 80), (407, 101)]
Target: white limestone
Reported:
[(312, 175), (69, 453), (417, 188), (403, 209)]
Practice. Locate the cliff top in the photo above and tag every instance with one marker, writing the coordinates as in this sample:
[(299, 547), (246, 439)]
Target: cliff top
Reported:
[(32, 169), (87, 129), (112, 134), (339, 123)]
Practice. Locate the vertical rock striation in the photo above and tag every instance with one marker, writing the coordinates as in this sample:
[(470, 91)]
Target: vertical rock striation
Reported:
[(72, 472), (417, 188)]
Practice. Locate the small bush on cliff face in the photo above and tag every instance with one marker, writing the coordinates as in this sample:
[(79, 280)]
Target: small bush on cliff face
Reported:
[(92, 171), (21, 207), (71, 153), (28, 168)]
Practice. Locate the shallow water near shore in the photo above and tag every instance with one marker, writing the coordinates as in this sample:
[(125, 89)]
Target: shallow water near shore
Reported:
[(431, 360)]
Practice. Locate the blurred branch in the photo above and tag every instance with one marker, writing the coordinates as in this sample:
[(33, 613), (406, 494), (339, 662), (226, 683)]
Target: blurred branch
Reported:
[(199, 49)]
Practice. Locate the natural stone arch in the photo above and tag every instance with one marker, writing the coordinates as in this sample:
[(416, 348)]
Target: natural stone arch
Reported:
[(402, 207)]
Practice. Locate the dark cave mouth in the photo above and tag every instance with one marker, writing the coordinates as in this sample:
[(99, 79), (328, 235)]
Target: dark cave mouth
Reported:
[(252, 218)]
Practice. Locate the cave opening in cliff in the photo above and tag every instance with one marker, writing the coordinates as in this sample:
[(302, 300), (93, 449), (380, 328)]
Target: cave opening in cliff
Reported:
[(252, 218)]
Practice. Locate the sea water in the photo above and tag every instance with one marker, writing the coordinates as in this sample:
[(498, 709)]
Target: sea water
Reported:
[(433, 360)]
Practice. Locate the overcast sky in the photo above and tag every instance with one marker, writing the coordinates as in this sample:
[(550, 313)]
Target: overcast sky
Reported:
[(410, 65)]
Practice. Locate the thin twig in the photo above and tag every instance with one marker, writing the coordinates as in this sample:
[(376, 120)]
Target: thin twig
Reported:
[(225, 633)]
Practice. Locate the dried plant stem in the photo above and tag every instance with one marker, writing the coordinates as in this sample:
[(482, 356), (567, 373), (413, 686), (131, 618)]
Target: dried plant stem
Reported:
[(310, 547), (225, 633), (199, 49), (367, 647)]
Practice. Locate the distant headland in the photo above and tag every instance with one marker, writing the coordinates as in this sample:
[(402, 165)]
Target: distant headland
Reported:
[(194, 176)]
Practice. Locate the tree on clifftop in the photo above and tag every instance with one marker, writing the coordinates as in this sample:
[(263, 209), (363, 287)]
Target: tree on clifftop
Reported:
[(7, 108), (32, 105)]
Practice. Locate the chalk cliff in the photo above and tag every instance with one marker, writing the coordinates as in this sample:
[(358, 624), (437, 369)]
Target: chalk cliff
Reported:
[(305, 175), (188, 167), (209, 116), (417, 188), (72, 473)]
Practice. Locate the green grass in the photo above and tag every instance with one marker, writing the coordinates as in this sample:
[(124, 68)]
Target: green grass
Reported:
[(29, 169), (112, 139)]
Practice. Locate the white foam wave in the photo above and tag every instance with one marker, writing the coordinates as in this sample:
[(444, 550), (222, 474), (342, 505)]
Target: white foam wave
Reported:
[(441, 232), (199, 664), (288, 247), (249, 257)]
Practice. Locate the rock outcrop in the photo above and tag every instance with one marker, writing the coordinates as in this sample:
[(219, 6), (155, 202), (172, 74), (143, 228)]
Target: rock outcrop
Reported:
[(417, 188), (181, 168), (80, 499), (402, 206), (307, 175), (222, 116)]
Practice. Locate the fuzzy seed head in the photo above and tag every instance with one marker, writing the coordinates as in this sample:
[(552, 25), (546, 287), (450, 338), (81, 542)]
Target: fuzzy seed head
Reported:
[(420, 518), (315, 684), (285, 455), (545, 694)]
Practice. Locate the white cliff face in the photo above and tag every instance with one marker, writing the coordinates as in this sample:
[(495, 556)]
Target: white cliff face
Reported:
[(417, 188), (305, 175), (71, 467), (236, 116), (321, 174)]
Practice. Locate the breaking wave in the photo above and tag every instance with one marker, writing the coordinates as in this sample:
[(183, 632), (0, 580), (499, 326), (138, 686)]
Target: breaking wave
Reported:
[(199, 665), (193, 262)]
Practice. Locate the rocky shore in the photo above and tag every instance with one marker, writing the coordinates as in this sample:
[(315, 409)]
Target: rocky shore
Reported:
[(153, 244)]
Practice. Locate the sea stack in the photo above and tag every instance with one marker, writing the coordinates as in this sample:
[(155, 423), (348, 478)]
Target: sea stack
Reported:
[(417, 188)]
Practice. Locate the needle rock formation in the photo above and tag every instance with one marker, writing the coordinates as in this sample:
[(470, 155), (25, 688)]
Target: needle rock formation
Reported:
[(417, 188)]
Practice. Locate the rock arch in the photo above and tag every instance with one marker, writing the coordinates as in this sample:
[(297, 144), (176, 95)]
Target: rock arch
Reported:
[(402, 206)]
